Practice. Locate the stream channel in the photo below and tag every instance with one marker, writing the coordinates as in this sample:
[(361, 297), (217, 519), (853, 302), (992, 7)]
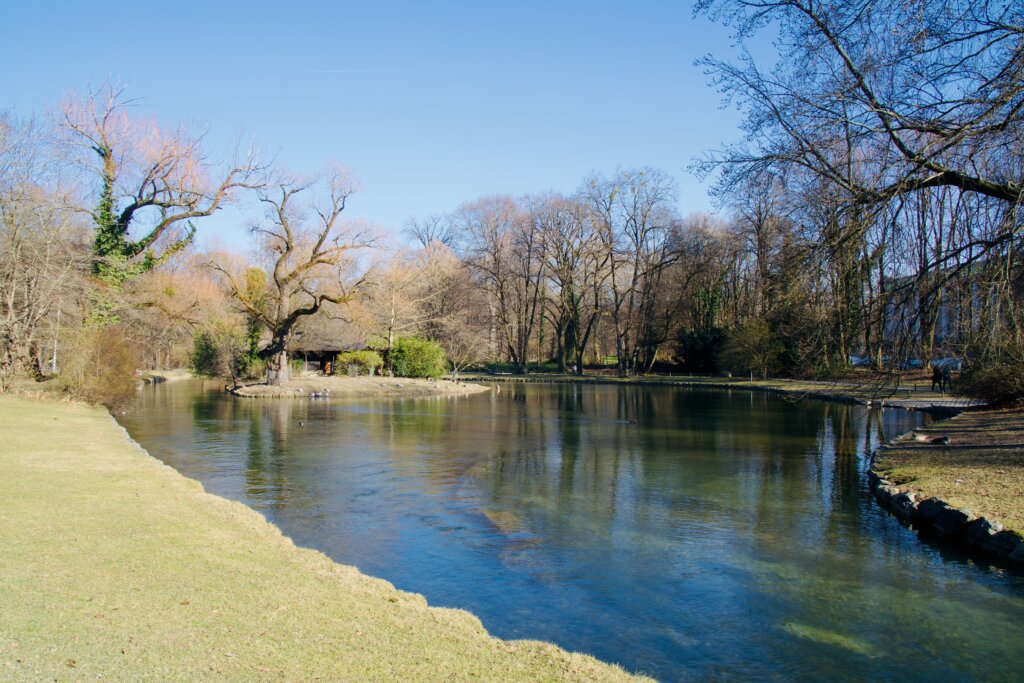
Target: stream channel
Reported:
[(687, 534)]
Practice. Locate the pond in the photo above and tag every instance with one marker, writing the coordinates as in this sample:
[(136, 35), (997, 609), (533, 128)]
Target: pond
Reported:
[(684, 533)]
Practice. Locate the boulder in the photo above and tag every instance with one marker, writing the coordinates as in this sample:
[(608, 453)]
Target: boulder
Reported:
[(882, 489), (1016, 547), (982, 533), (943, 518), (904, 506)]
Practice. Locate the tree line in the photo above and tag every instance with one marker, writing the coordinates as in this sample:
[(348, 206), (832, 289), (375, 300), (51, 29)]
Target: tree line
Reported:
[(871, 213)]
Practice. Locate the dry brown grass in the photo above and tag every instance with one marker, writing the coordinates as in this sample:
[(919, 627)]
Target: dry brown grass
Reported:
[(981, 469), (114, 566)]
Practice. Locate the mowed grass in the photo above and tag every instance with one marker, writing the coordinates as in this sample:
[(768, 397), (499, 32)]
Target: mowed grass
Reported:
[(981, 469), (115, 567)]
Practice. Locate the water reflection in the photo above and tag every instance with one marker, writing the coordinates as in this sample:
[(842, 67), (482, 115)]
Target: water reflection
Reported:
[(683, 533)]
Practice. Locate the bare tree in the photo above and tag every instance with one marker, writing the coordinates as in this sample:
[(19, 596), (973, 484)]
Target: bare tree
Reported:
[(931, 90), (309, 253), (503, 247), (433, 228), (457, 316), (401, 296), (170, 304), (635, 216), (42, 254), (576, 270)]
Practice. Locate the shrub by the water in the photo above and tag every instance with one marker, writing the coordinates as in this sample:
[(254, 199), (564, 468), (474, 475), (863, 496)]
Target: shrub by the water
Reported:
[(368, 361), (413, 357), (100, 367), (995, 375), (753, 347), (205, 359), (223, 351)]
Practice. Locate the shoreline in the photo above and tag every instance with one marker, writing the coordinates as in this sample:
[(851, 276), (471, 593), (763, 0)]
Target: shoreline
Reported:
[(160, 376), (978, 536), (62, 630), (922, 479), (839, 392), (117, 566)]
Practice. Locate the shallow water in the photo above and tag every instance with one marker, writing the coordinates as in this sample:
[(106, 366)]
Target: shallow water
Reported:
[(687, 534)]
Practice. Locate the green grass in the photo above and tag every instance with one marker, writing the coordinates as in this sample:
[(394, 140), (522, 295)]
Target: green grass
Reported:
[(114, 566)]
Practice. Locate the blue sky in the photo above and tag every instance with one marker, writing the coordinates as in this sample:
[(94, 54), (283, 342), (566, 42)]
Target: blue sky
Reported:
[(432, 104)]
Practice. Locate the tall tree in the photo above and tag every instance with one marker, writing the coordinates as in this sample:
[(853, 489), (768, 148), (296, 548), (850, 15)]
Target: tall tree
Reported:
[(635, 213), (309, 255), (150, 183), (931, 89), (576, 270), (433, 228), (42, 251), (503, 247)]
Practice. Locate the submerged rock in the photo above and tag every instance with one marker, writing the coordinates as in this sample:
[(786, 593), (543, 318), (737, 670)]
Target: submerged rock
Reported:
[(826, 637)]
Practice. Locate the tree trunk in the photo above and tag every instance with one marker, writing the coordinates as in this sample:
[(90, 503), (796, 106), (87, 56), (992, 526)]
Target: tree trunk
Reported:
[(278, 371)]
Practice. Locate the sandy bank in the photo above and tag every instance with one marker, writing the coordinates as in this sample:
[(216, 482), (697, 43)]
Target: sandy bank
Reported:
[(361, 387), (114, 566)]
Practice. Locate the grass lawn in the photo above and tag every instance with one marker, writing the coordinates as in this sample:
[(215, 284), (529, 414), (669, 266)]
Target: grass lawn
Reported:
[(114, 566), (981, 469)]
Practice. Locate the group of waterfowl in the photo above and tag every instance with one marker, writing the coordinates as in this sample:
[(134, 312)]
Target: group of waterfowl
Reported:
[(323, 393)]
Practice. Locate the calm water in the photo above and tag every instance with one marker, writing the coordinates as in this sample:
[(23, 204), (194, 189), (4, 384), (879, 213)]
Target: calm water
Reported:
[(686, 534)]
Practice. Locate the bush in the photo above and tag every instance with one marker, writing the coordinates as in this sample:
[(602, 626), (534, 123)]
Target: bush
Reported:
[(205, 359), (223, 351), (697, 350), (994, 375), (367, 361), (101, 367), (412, 357), (753, 348)]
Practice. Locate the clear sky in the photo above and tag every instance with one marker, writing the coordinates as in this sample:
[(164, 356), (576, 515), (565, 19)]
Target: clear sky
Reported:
[(431, 103)]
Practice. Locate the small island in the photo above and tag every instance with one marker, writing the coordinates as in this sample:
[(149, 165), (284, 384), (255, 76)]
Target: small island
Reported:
[(316, 387)]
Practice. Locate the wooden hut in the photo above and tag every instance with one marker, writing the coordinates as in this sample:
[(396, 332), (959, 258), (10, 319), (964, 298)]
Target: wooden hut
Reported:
[(317, 357)]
